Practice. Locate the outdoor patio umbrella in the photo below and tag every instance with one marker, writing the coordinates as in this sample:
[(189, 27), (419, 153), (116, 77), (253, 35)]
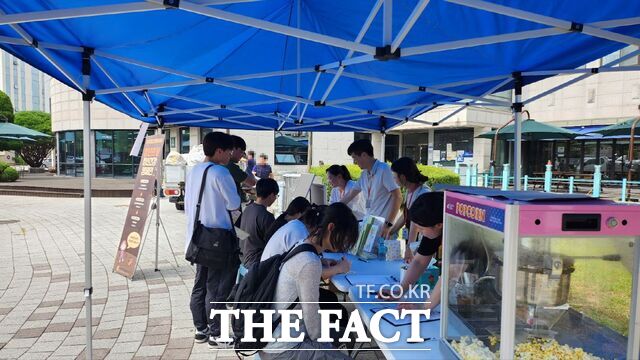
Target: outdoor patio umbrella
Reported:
[(21, 138), (630, 127), (623, 128), (288, 141), (16, 132), (532, 130)]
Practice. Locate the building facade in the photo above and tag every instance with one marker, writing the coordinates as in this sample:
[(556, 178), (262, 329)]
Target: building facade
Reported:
[(27, 86)]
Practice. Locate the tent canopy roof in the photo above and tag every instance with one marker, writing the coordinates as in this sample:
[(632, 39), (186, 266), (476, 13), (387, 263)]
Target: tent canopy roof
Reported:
[(532, 130), (11, 130), (308, 65)]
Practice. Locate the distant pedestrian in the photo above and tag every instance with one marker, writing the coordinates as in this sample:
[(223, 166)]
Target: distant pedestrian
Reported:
[(251, 162), (263, 169)]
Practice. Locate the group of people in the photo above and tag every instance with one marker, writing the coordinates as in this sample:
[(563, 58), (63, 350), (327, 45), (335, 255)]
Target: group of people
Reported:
[(332, 228)]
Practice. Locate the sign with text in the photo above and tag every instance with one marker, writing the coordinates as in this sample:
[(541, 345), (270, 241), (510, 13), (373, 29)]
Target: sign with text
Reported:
[(141, 197), (484, 215)]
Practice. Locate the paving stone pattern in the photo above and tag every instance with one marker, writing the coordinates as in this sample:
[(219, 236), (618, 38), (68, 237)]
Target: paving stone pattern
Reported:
[(42, 314)]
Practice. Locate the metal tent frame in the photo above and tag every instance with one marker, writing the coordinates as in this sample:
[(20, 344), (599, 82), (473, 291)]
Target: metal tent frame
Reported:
[(197, 111)]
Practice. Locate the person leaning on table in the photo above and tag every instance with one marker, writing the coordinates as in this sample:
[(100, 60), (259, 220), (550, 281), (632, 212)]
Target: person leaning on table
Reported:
[(426, 214)]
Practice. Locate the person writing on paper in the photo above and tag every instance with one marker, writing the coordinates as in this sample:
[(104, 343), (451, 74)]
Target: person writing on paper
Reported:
[(294, 211), (426, 214), (296, 231), (340, 179), (406, 173), (298, 281), (381, 193)]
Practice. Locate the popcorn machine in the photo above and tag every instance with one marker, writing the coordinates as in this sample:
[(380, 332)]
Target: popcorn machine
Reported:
[(531, 275)]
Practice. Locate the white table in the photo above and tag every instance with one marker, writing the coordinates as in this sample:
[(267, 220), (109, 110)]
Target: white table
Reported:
[(430, 349), (401, 349), (360, 267)]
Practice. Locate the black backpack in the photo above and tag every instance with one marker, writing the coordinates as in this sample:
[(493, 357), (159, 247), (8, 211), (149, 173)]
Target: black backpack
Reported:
[(256, 291)]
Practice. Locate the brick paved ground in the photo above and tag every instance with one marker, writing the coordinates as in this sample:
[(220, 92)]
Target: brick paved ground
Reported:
[(42, 279)]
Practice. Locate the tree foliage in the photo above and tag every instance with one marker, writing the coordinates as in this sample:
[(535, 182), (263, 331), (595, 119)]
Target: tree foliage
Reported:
[(6, 108), (34, 153)]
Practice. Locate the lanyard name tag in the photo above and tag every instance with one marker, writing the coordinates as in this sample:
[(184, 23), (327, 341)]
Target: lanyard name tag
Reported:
[(368, 204), (405, 233)]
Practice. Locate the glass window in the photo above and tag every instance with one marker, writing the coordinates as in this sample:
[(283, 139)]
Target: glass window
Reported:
[(575, 157), (606, 160), (122, 142), (104, 153), (391, 147), (590, 156), (291, 147), (632, 60), (167, 142), (361, 135), (413, 143), (453, 144), (203, 132), (184, 140)]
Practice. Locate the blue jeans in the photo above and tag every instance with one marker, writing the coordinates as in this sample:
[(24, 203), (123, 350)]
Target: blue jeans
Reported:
[(210, 291)]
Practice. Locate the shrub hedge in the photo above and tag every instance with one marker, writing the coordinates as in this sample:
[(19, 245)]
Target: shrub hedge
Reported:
[(7, 173)]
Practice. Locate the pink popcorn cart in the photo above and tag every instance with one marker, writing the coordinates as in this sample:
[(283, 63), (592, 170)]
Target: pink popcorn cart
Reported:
[(537, 275)]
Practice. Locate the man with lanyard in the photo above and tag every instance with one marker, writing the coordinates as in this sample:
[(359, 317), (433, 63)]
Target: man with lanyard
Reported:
[(381, 192), (240, 177)]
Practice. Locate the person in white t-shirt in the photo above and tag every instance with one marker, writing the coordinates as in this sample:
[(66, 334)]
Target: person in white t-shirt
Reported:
[(408, 176), (219, 198), (340, 179), (381, 193)]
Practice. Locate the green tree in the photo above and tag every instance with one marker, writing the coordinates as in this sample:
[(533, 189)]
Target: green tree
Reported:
[(34, 153), (6, 108)]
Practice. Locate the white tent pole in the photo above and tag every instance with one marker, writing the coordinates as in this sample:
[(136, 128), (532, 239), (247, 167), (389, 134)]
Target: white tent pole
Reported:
[(87, 97), (382, 146), (268, 74), (548, 20), (171, 84), (387, 22), (582, 71), (517, 126), (584, 76), (479, 41), (298, 5), (487, 93), (44, 53), (104, 71), (368, 112), (372, 96), (363, 31), (313, 89), (158, 190), (408, 25), (273, 27)]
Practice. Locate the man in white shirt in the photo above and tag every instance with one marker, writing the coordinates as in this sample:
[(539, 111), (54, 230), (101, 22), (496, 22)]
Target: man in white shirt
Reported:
[(220, 196), (381, 192)]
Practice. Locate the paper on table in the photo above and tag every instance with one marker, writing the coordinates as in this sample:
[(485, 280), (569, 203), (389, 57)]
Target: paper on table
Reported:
[(435, 316), (370, 279)]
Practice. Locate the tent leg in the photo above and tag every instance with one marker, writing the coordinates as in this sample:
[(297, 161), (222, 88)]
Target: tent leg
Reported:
[(517, 135), (87, 96), (158, 189)]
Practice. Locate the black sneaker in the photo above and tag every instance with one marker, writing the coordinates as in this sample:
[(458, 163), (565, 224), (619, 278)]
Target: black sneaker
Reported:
[(201, 336)]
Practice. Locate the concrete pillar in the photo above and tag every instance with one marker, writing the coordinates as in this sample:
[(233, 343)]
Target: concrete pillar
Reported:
[(430, 142)]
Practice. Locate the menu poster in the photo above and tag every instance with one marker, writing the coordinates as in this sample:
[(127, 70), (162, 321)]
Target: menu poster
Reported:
[(129, 246)]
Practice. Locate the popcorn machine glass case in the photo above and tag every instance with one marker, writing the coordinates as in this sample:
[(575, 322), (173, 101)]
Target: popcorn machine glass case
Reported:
[(530, 275)]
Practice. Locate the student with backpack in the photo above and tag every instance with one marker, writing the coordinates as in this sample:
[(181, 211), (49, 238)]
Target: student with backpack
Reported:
[(294, 211), (210, 195), (295, 285)]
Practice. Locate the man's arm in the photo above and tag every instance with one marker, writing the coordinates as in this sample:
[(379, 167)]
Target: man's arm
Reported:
[(346, 199), (417, 267), (396, 201), (250, 180)]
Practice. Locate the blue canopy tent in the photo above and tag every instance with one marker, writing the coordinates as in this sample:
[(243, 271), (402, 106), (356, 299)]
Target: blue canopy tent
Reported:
[(308, 65)]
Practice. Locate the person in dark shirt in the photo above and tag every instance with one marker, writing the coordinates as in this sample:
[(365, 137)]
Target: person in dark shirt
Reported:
[(239, 177), (263, 170), (256, 219), (426, 213), (251, 161), (294, 211)]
